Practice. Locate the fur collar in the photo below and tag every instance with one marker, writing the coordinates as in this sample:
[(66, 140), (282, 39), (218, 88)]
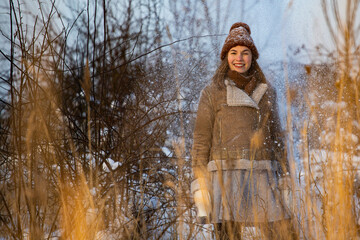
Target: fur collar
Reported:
[(237, 97)]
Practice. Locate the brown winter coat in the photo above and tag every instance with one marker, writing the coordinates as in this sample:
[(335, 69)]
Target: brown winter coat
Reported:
[(222, 131), (230, 127)]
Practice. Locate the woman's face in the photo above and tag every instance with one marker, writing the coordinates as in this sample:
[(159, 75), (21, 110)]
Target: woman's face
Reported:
[(239, 59)]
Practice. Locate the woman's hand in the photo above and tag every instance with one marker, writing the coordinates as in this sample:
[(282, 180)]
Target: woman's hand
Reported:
[(202, 199)]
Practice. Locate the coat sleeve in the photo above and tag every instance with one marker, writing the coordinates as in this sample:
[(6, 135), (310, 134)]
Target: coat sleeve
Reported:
[(278, 135), (202, 138)]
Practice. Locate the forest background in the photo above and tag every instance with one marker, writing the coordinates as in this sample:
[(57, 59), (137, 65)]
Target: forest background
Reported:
[(98, 100)]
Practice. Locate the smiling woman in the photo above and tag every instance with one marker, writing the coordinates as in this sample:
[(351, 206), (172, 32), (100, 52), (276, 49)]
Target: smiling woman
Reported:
[(238, 155)]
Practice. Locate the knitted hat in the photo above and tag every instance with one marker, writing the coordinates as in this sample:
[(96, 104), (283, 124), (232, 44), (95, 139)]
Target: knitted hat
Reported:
[(239, 35)]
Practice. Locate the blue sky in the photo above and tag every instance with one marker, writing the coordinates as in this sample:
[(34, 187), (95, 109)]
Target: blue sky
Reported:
[(275, 24)]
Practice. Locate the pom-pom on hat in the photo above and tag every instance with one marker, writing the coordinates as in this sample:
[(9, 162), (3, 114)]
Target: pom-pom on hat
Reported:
[(239, 34)]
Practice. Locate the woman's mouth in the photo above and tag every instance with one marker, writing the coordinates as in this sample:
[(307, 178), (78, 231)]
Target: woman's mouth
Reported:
[(239, 65)]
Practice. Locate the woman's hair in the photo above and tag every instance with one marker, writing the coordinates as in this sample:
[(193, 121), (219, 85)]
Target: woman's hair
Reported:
[(221, 73), (223, 68)]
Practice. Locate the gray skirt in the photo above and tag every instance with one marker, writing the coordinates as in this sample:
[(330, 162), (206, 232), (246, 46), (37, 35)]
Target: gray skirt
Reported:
[(245, 192)]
